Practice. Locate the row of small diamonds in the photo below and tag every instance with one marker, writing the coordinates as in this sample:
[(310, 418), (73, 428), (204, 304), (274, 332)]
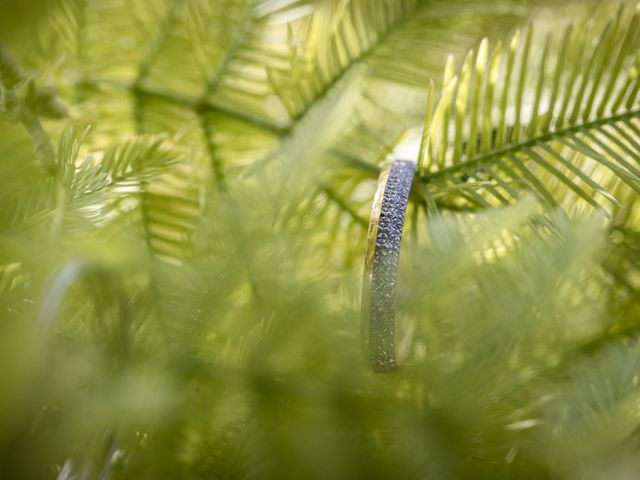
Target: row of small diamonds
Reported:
[(385, 264)]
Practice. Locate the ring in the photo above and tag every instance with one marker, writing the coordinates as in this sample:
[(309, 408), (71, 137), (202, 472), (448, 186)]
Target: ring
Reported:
[(381, 262)]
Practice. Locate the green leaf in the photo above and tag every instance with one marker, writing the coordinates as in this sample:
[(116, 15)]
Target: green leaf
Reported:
[(568, 149)]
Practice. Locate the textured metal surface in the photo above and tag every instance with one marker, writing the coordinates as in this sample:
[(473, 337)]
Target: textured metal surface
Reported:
[(381, 266)]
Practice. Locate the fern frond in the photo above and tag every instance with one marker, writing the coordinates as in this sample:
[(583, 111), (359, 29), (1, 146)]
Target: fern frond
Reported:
[(570, 135), (170, 212), (221, 50), (600, 393), (141, 181), (23, 102), (342, 35)]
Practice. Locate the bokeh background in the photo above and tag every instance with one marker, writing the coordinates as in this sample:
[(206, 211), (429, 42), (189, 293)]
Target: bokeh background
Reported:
[(184, 196)]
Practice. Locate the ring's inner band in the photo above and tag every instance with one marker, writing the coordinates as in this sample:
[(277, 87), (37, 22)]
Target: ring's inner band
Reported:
[(381, 264)]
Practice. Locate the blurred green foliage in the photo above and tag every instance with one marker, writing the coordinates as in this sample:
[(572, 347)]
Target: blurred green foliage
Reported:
[(185, 187)]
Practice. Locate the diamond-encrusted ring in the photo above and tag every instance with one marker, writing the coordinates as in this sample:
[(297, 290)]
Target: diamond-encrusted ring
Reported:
[(381, 262)]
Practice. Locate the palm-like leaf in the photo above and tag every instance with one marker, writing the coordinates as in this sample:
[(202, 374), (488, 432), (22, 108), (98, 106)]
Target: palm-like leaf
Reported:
[(564, 125)]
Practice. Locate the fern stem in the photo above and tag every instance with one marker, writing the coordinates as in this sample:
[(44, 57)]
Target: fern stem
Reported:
[(236, 44), (513, 149), (344, 206), (366, 53), (157, 40), (195, 104)]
